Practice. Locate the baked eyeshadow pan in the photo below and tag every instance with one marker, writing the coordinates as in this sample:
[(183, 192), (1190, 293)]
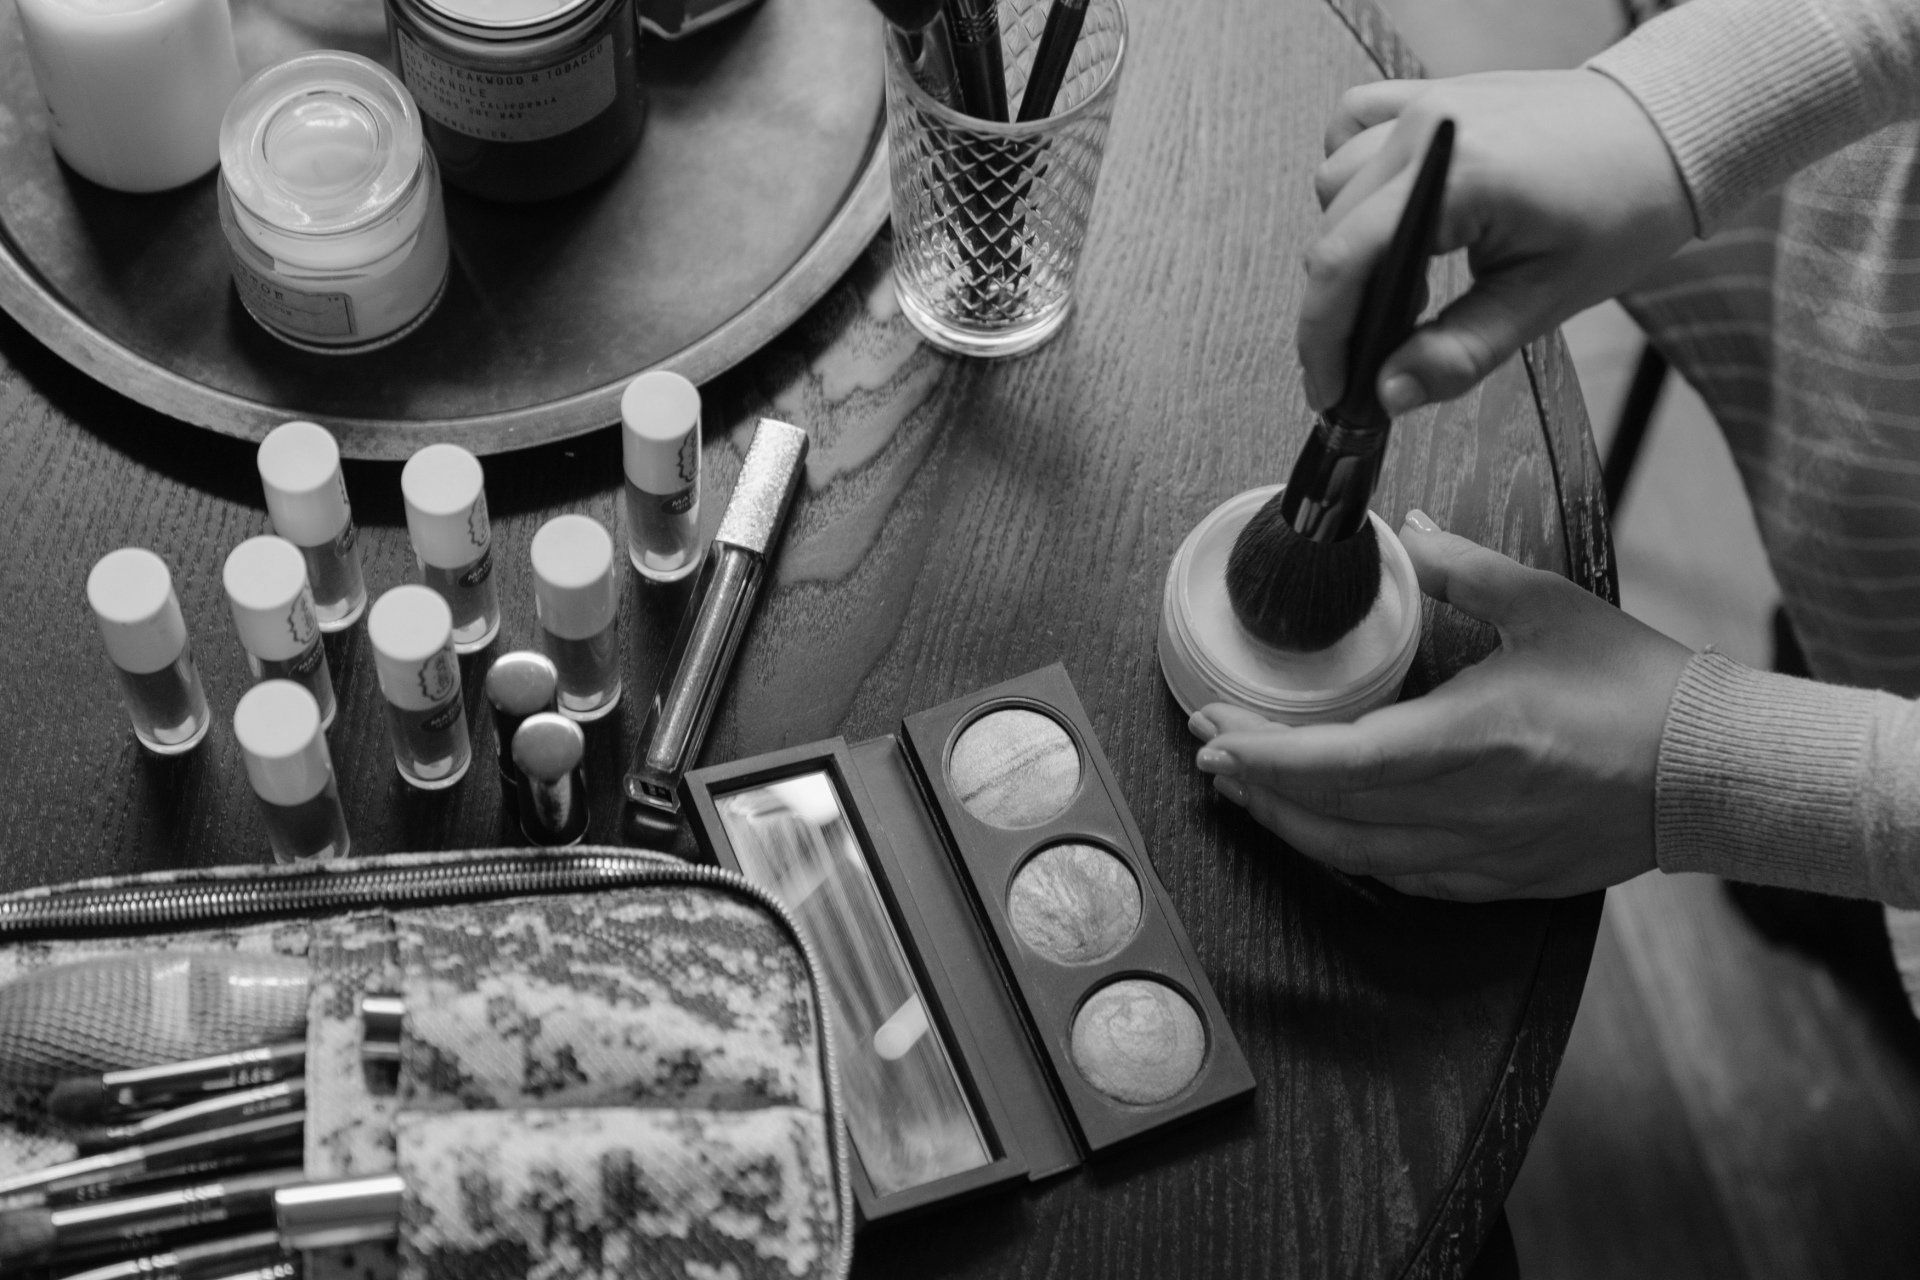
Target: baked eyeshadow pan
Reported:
[(1138, 1041), (1074, 903), (1014, 767)]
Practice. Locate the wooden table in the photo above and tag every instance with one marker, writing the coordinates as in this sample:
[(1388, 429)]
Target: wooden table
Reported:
[(962, 523)]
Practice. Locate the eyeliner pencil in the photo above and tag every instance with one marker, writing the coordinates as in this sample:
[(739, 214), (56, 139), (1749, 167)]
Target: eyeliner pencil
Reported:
[(975, 28), (1051, 59)]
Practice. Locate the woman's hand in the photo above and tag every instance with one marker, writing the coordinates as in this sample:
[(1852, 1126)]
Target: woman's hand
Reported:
[(1562, 192), (1529, 774)]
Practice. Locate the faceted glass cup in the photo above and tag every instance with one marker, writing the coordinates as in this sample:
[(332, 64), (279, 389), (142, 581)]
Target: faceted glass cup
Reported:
[(989, 219)]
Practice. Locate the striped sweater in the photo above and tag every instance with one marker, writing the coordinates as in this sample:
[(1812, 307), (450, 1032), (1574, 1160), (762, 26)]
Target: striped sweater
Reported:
[(1795, 125)]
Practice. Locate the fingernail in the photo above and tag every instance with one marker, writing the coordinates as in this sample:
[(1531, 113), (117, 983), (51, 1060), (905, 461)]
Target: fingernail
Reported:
[(1214, 760), (1231, 790), (1421, 521), (1201, 727), (1402, 394)]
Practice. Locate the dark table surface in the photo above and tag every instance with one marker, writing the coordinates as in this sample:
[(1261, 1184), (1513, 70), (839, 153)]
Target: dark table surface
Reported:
[(961, 523)]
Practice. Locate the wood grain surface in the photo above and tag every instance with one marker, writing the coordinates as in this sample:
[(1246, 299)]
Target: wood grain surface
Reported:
[(961, 523)]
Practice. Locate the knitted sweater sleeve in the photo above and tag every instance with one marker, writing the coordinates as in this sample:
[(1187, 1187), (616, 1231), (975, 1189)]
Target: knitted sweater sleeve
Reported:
[(1787, 782), (1746, 92)]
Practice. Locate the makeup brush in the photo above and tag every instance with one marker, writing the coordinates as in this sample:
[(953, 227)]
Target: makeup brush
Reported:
[(926, 46), (975, 27), (90, 1099), (216, 1112), (131, 1164), (1306, 568), (138, 1008), (36, 1236), (1050, 60)]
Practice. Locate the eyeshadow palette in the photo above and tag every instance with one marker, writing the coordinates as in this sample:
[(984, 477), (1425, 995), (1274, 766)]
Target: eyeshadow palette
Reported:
[(1009, 985)]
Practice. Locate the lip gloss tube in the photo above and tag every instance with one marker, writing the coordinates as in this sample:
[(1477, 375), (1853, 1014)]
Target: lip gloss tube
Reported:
[(412, 632), (660, 453), (133, 602), (710, 631), (299, 466), (447, 520), (266, 581), (278, 725), (577, 598)]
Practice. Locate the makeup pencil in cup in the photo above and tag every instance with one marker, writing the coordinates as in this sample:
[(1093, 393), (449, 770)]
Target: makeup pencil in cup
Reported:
[(975, 29), (1305, 569), (1051, 59)]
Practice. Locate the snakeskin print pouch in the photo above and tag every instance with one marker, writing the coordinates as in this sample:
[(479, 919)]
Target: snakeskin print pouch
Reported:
[(609, 1064)]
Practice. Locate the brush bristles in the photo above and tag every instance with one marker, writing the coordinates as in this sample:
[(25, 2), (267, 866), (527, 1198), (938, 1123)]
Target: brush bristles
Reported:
[(78, 1100), (26, 1238), (1294, 593)]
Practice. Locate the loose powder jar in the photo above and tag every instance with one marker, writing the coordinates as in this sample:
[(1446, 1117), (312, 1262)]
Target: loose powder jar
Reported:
[(331, 204), (524, 99)]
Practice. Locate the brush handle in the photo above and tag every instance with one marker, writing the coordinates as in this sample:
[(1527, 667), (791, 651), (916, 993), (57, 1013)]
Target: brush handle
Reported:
[(1050, 60), (1332, 482), (1391, 303), (975, 28)]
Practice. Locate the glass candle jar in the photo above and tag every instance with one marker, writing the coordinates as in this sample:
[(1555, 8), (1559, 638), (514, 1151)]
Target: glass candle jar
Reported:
[(134, 88), (523, 99), (331, 204)]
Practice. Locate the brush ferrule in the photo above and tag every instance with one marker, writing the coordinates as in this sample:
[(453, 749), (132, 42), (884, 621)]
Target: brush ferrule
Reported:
[(1332, 482)]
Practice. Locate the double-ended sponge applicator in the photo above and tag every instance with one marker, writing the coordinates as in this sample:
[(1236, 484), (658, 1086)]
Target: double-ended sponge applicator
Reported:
[(1305, 569)]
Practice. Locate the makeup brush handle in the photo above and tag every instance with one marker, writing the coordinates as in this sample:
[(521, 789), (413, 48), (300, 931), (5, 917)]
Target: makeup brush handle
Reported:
[(1332, 482), (1391, 303), (975, 28)]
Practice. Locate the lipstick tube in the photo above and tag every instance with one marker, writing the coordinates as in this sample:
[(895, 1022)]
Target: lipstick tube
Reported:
[(710, 632)]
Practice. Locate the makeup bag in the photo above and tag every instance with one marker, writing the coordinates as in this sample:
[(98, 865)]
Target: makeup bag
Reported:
[(611, 1063)]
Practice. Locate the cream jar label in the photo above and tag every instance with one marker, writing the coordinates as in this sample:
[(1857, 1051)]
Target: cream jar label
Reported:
[(316, 315), (519, 105)]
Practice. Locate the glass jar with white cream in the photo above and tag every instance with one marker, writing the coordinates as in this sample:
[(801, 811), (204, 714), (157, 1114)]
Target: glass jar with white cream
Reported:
[(331, 204)]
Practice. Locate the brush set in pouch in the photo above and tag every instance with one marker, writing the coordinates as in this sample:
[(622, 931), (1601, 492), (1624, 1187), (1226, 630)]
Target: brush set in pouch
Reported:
[(480, 1065)]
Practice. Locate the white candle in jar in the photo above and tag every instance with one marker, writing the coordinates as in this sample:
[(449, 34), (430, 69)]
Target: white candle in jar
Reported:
[(134, 88)]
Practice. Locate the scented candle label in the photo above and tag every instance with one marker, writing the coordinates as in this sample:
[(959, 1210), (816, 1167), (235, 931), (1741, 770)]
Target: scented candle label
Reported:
[(511, 105), (318, 315)]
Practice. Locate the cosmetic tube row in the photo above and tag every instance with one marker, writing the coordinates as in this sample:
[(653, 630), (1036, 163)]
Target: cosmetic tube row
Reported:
[(286, 589)]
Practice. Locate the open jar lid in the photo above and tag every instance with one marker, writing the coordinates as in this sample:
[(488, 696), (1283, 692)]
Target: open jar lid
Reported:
[(321, 144), (506, 19)]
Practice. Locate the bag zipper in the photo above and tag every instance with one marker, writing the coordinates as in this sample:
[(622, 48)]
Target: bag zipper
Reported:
[(221, 896)]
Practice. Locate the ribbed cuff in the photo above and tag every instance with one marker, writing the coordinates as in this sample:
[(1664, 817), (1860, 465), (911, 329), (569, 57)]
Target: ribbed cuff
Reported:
[(1745, 92), (1760, 776)]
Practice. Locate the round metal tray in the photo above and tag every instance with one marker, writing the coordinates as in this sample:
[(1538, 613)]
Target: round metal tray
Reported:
[(762, 176)]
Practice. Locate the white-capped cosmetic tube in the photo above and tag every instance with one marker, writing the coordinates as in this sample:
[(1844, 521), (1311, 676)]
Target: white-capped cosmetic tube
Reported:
[(447, 521), (299, 466), (134, 89), (131, 593), (660, 452), (412, 633), (577, 597), (278, 726), (266, 582)]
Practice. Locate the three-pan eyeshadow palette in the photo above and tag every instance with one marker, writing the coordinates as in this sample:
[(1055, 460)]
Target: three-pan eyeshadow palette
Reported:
[(1007, 980)]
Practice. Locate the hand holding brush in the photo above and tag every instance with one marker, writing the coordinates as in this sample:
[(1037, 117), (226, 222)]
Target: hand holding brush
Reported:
[(1306, 568)]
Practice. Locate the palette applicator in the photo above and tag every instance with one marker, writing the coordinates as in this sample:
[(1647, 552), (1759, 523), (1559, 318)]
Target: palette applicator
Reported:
[(1305, 569)]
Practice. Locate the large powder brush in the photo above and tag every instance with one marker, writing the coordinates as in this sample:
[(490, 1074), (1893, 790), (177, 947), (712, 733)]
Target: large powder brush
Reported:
[(1305, 569), (144, 1008)]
